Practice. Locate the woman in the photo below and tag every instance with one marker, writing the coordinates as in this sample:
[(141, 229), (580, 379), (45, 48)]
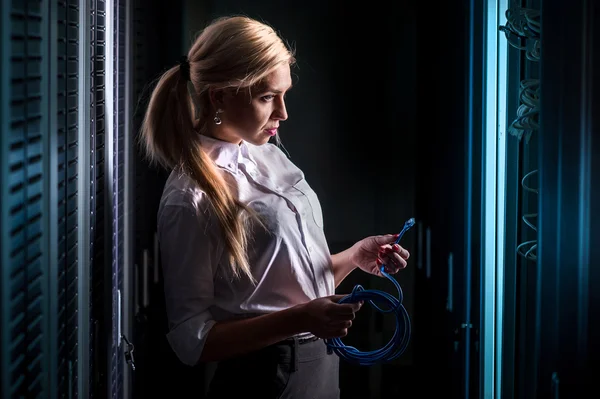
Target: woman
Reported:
[(249, 279)]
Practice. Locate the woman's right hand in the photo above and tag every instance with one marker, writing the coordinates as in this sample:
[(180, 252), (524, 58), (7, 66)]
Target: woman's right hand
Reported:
[(326, 318)]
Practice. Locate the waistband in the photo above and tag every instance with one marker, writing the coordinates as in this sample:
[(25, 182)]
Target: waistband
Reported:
[(304, 338), (305, 349)]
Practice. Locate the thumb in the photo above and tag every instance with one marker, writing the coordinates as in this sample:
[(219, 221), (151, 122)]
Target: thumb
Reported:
[(386, 239), (337, 298)]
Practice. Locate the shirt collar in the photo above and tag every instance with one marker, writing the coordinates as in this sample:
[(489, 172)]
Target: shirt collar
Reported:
[(225, 154)]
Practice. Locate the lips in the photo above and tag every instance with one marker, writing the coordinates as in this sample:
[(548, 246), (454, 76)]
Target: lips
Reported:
[(271, 132)]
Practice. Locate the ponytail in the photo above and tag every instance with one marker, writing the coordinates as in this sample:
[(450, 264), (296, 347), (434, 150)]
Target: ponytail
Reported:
[(169, 139), (232, 52)]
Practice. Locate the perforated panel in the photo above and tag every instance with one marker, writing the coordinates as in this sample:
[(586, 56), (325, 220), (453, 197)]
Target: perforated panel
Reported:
[(40, 212), (24, 277), (118, 197), (98, 311), (67, 180)]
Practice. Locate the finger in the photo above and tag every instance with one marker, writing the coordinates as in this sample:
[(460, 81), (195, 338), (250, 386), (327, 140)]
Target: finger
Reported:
[(337, 298), (348, 308), (385, 248), (401, 251), (356, 307), (400, 261), (390, 268), (395, 258), (390, 249), (339, 312), (339, 317), (394, 262), (377, 269), (387, 260), (340, 324), (386, 239), (340, 333)]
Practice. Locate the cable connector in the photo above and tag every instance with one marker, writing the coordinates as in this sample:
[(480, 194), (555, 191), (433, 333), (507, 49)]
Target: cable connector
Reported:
[(407, 225)]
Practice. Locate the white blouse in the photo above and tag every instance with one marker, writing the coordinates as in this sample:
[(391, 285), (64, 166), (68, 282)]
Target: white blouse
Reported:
[(290, 261)]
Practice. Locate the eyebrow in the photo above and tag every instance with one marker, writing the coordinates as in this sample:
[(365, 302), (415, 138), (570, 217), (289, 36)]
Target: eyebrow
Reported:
[(279, 91), (268, 88)]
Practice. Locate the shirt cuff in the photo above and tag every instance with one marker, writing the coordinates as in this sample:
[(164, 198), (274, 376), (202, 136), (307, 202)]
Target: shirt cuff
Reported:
[(188, 338)]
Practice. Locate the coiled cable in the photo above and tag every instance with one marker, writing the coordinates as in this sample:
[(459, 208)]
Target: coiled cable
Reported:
[(528, 249), (523, 31), (523, 24), (527, 120), (399, 341)]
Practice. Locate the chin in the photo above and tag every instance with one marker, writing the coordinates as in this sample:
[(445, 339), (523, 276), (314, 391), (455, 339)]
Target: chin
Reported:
[(260, 140)]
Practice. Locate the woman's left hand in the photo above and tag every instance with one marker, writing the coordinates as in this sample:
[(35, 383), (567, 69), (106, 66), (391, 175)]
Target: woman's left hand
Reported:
[(371, 252)]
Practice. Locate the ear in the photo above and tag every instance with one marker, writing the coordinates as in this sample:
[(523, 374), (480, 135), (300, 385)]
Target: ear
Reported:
[(217, 98)]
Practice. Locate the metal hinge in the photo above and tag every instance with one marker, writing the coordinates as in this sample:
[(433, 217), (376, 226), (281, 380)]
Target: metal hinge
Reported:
[(128, 351)]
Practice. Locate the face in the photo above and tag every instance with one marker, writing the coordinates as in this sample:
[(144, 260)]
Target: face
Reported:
[(253, 115)]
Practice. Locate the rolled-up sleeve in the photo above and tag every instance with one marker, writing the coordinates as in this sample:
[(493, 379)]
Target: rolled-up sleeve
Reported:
[(189, 256)]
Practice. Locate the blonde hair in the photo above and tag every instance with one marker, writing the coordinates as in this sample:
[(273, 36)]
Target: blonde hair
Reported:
[(232, 52)]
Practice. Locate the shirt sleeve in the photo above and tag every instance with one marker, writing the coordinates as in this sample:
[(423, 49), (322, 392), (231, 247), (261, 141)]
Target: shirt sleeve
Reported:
[(189, 255)]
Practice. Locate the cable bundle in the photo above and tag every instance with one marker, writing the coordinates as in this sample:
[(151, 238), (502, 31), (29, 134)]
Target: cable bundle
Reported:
[(399, 341), (523, 25), (527, 120)]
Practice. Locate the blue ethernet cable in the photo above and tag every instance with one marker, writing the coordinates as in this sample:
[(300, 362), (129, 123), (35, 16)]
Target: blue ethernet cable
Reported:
[(399, 341)]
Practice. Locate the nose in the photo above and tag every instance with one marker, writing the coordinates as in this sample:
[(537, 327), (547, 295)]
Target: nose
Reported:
[(280, 111)]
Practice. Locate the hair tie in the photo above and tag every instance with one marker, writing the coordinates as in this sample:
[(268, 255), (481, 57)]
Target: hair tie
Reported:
[(184, 67)]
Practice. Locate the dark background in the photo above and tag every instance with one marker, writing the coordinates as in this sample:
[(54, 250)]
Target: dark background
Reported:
[(387, 119), (377, 123)]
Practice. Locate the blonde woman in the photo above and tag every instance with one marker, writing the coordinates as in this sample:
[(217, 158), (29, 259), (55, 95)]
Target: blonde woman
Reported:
[(248, 276)]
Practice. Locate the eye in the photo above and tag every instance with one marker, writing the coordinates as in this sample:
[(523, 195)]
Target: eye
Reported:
[(267, 98)]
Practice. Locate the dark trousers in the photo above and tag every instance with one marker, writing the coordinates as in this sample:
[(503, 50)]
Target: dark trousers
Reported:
[(291, 369)]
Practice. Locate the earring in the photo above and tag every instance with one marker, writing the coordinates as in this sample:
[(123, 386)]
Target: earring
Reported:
[(216, 118)]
